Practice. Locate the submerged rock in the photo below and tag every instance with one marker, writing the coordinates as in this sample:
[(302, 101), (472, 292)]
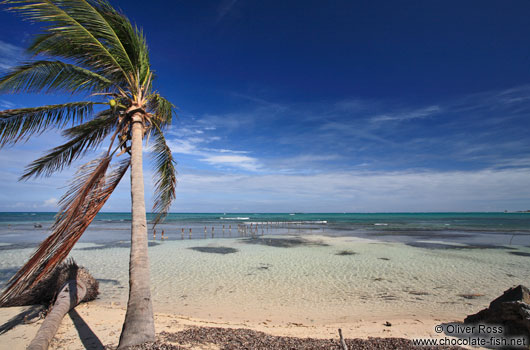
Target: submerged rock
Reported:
[(512, 310)]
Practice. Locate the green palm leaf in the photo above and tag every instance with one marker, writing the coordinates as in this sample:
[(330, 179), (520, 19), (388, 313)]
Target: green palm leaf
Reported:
[(83, 138), (52, 76), (162, 109), (165, 176), (18, 124), (95, 50), (73, 33), (131, 38)]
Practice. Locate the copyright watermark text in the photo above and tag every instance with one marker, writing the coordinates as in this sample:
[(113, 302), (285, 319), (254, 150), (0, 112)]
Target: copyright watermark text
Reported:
[(476, 335)]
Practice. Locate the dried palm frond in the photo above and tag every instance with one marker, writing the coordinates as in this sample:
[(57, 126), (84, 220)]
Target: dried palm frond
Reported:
[(46, 290), (88, 193)]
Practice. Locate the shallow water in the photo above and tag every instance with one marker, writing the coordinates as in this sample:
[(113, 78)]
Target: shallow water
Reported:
[(304, 278)]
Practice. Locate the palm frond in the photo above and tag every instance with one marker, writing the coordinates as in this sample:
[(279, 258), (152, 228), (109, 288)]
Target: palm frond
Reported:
[(82, 138), (87, 195), (76, 31), (162, 109), (131, 38), (50, 76), (165, 176), (18, 124)]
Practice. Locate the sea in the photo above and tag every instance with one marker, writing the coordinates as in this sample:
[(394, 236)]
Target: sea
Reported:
[(468, 228), (314, 268)]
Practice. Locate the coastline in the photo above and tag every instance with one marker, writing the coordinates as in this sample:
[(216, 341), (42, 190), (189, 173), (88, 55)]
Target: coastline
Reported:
[(91, 325), (300, 282)]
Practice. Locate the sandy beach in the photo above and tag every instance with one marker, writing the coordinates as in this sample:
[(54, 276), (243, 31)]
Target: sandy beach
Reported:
[(290, 284), (92, 325)]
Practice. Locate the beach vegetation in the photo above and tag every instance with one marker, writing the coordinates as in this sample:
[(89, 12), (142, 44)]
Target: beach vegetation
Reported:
[(89, 49)]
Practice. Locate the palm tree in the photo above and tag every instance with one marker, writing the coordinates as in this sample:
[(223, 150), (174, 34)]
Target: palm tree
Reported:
[(88, 48)]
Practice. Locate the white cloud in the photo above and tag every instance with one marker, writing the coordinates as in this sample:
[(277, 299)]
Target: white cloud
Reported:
[(213, 156), (10, 55), (6, 104), (361, 191), (51, 202), (243, 162), (402, 116)]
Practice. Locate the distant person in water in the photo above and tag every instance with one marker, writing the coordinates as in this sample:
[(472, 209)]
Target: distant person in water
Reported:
[(162, 235)]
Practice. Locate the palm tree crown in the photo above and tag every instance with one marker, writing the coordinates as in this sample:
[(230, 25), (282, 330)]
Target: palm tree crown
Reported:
[(86, 48)]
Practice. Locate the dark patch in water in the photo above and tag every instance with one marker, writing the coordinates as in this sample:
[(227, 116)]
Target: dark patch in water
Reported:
[(283, 242), (385, 259), (428, 245), (119, 244), (18, 246), (520, 253), (345, 253), (215, 250), (419, 234), (109, 281)]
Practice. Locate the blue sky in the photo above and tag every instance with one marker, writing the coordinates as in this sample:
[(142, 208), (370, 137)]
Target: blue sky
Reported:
[(311, 106)]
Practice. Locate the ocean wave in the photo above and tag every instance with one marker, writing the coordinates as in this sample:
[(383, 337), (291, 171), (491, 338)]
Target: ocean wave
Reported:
[(380, 224), (237, 218), (288, 222)]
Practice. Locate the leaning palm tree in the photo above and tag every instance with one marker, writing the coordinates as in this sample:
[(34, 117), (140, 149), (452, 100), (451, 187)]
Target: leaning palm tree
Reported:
[(88, 48)]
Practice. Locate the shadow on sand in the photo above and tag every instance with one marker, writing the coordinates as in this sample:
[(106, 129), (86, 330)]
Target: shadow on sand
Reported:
[(89, 339), (30, 314)]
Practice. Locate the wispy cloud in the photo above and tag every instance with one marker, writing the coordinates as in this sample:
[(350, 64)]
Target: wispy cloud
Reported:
[(6, 104), (10, 55), (243, 162), (200, 146), (360, 191), (402, 116), (469, 153), (224, 8), (51, 202)]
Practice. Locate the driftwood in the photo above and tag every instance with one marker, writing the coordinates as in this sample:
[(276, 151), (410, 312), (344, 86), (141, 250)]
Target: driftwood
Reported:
[(45, 292), (342, 342), (72, 292), (66, 287)]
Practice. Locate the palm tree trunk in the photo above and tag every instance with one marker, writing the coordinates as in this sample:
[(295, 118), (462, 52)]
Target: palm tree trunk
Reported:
[(70, 295), (139, 325)]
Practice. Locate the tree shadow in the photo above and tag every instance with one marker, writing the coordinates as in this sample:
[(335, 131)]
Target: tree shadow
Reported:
[(25, 316), (89, 339)]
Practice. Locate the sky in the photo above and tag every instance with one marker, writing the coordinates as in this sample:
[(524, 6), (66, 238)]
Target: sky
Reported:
[(312, 106)]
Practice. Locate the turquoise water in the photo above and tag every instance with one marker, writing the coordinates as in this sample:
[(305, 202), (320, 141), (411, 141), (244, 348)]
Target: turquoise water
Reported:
[(475, 228), (291, 267)]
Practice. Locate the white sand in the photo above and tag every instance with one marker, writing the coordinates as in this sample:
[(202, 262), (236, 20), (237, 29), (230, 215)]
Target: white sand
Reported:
[(97, 324)]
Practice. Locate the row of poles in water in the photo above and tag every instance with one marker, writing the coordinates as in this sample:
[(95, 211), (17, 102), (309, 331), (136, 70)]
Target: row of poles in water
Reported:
[(254, 229)]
